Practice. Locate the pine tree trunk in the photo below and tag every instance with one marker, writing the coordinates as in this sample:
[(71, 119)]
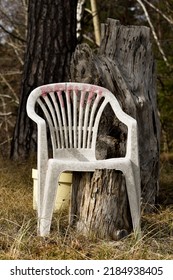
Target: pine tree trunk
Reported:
[(124, 64), (50, 42)]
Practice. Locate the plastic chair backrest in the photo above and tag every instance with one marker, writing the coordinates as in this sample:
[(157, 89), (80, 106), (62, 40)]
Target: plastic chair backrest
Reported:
[(72, 112)]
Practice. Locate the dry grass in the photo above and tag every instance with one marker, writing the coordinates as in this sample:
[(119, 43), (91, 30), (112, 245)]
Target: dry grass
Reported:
[(18, 239)]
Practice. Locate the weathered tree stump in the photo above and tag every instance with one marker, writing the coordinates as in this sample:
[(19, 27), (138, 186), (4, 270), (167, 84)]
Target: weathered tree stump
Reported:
[(124, 64)]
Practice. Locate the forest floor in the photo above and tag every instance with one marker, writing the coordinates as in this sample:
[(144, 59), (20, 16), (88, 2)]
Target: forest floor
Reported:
[(19, 240)]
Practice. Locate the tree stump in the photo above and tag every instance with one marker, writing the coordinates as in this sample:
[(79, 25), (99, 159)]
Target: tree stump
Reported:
[(124, 64)]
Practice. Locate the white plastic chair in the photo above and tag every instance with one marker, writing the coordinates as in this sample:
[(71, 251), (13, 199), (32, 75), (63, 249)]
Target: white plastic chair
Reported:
[(72, 113)]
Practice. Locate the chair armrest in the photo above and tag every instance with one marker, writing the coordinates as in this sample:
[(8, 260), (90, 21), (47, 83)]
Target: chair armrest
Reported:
[(42, 149), (132, 142), (132, 151)]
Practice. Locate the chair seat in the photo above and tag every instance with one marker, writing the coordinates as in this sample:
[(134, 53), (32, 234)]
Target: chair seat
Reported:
[(81, 164), (75, 155)]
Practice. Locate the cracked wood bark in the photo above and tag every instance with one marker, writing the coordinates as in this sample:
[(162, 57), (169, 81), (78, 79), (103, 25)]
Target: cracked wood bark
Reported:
[(124, 64)]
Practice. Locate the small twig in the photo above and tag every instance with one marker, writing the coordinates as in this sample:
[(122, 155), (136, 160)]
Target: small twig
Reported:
[(88, 38), (9, 73), (11, 89), (159, 12), (153, 31), (88, 10), (12, 34), (5, 119), (6, 141), (15, 48), (5, 114), (5, 95)]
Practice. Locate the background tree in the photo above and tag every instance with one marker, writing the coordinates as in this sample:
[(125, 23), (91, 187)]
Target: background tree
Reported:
[(51, 39)]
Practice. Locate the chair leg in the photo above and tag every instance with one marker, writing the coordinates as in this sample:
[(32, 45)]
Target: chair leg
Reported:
[(51, 186), (40, 194), (134, 200)]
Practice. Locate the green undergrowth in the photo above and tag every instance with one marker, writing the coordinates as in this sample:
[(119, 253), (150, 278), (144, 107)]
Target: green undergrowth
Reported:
[(19, 240)]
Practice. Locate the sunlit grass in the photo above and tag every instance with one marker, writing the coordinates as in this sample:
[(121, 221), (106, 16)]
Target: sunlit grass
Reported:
[(19, 240)]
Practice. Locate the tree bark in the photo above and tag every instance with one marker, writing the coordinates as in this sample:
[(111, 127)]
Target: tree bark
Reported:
[(124, 64), (51, 41)]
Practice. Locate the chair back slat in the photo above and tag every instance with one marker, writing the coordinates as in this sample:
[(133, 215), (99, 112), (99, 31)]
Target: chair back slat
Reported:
[(53, 116), (64, 118), (59, 135), (80, 120), (74, 119), (47, 114), (92, 116), (69, 116), (85, 125)]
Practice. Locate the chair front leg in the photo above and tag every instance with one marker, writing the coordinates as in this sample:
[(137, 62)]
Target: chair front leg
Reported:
[(51, 186), (134, 201)]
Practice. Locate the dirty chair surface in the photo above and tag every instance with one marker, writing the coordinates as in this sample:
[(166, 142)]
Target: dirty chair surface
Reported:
[(70, 113)]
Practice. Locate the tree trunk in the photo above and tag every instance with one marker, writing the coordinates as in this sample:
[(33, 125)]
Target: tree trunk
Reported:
[(50, 42), (124, 64)]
